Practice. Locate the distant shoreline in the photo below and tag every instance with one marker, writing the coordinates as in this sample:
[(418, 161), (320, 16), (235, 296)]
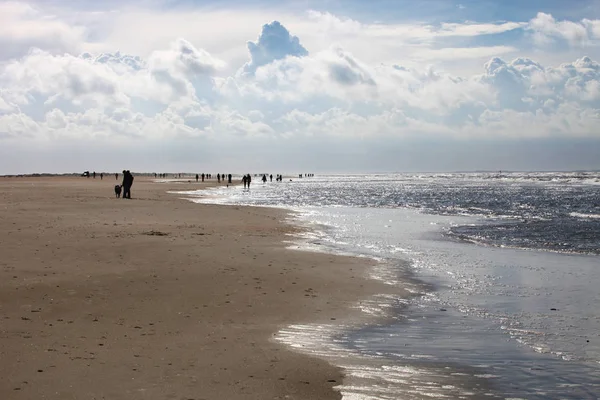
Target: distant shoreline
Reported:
[(292, 175)]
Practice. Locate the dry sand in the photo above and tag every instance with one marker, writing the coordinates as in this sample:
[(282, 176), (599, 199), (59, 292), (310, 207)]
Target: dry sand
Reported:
[(157, 297)]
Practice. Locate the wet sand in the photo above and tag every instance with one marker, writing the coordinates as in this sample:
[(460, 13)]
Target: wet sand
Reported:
[(157, 297)]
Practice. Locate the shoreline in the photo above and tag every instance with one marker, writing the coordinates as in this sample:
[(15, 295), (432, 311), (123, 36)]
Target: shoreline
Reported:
[(336, 343), (466, 375), (159, 297)]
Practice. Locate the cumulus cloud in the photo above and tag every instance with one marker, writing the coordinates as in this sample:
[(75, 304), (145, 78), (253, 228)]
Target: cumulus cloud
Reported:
[(523, 84), (274, 43), (186, 59), (333, 73), (525, 93), (346, 70), (328, 93), (41, 78), (117, 61), (283, 93), (546, 29)]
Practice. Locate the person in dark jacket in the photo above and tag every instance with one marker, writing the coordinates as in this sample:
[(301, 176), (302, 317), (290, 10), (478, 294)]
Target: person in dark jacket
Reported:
[(127, 183)]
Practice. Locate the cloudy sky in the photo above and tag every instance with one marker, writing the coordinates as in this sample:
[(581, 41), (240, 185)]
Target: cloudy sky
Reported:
[(322, 86)]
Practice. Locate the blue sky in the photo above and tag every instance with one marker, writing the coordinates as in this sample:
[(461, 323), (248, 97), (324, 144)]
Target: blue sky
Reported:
[(431, 11), (335, 85)]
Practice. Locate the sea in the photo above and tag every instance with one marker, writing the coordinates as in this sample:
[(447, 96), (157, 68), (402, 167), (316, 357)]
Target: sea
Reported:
[(503, 271)]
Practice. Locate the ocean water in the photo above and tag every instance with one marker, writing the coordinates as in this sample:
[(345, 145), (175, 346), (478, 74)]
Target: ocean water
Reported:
[(504, 269)]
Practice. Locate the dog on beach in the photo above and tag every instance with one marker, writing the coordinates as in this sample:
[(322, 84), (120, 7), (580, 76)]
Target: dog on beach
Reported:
[(117, 191)]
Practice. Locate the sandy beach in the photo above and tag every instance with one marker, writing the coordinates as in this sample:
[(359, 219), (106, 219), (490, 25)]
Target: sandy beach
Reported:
[(157, 297)]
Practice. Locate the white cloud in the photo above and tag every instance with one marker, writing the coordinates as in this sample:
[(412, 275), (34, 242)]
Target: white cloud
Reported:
[(547, 29), (23, 26), (221, 32), (181, 90), (406, 43), (329, 93), (461, 53), (274, 43), (326, 22), (42, 77), (186, 59)]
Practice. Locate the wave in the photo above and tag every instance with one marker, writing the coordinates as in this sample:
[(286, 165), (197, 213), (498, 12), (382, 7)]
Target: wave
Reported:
[(581, 215)]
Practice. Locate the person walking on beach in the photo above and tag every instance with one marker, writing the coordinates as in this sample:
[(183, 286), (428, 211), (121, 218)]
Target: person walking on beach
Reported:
[(245, 181), (127, 183), (248, 180), (197, 177), (229, 178), (264, 178), (271, 178), (130, 184), (101, 175), (219, 178)]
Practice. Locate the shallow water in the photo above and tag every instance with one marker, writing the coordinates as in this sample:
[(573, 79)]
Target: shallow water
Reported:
[(488, 321), (498, 316), (548, 211)]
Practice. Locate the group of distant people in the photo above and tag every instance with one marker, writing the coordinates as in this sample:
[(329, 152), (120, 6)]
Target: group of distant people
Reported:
[(220, 177), (125, 186), (93, 174), (246, 180)]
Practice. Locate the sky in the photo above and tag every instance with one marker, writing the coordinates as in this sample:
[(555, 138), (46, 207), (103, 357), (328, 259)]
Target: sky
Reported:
[(305, 86)]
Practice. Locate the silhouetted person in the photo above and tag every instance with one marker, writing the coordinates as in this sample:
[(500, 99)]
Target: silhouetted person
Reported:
[(197, 177), (229, 178), (130, 184), (94, 174), (249, 179), (264, 179), (271, 178), (101, 176), (219, 178), (127, 183), (245, 181)]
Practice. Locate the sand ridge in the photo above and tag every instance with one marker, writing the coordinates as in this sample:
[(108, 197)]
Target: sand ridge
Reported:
[(157, 297)]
